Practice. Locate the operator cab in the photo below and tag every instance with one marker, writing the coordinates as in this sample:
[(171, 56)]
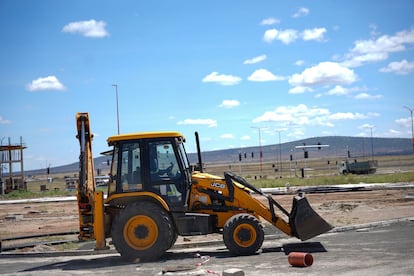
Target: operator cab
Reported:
[(151, 162)]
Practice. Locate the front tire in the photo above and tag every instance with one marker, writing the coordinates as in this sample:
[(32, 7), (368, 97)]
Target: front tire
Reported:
[(243, 234), (143, 231)]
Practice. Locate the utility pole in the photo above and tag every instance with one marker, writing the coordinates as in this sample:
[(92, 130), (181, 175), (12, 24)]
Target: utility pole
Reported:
[(117, 109), (412, 125)]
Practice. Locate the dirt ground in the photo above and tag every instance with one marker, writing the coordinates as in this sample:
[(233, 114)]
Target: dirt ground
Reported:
[(339, 209)]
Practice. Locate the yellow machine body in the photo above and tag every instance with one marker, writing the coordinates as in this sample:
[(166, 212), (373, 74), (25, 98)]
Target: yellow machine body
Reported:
[(155, 195)]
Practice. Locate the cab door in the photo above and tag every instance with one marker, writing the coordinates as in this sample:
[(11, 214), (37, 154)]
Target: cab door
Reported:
[(165, 174)]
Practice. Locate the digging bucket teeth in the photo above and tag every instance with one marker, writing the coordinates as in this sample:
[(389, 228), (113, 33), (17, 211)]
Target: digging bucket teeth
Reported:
[(304, 221)]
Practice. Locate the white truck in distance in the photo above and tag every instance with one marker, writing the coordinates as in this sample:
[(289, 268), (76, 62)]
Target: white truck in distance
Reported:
[(358, 167)]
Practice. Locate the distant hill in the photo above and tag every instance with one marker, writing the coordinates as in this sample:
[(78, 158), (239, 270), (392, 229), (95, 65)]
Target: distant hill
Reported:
[(338, 147)]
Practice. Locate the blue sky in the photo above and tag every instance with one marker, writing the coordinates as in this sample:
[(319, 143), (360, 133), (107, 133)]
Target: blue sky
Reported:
[(223, 68)]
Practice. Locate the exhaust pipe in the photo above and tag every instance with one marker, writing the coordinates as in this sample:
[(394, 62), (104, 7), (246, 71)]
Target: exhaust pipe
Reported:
[(200, 163)]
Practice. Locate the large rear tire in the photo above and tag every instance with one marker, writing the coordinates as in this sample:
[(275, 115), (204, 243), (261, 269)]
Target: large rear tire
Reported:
[(143, 231), (243, 234)]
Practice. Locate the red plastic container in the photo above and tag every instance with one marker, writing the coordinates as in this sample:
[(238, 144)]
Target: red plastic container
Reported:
[(300, 259)]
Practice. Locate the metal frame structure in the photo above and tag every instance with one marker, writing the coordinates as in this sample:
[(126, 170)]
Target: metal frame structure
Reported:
[(9, 155)]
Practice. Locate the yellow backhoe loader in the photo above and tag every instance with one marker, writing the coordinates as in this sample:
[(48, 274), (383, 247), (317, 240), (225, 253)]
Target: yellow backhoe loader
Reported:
[(154, 195)]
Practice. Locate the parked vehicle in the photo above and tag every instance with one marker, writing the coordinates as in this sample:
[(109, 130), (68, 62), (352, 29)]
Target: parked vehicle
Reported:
[(358, 167)]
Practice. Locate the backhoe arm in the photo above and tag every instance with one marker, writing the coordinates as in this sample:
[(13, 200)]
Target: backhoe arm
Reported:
[(90, 204), (86, 184)]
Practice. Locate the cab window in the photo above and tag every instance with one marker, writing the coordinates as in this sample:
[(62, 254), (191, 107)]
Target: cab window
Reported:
[(114, 167), (165, 172), (130, 169)]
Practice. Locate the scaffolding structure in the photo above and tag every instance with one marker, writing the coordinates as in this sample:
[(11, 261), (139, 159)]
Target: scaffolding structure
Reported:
[(10, 177)]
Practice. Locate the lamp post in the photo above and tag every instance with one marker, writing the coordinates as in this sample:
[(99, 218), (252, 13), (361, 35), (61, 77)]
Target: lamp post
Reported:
[(1, 167), (280, 153), (372, 144), (117, 109), (412, 125), (260, 147)]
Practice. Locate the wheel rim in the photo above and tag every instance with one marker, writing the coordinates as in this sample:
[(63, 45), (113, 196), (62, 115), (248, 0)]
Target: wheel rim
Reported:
[(140, 232), (244, 235)]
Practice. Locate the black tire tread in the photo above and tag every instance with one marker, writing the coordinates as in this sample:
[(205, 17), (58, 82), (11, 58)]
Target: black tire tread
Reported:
[(166, 231), (228, 230)]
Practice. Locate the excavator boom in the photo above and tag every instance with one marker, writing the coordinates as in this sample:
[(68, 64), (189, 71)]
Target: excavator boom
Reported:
[(86, 185), (90, 204)]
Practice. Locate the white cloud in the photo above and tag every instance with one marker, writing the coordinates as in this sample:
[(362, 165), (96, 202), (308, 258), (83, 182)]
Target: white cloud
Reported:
[(297, 133), (393, 133), (325, 73), (227, 136), (302, 115), (373, 114), (347, 116), (366, 96), (270, 35), (270, 21), (90, 28), (300, 90), (314, 34), (47, 83), (207, 122), (229, 103), (404, 122), (301, 12), (359, 60), (290, 35), (245, 137), (338, 90), (285, 36), (255, 59), (4, 121), (292, 115), (374, 32), (402, 67), (299, 62), (262, 75), (373, 50), (222, 79)]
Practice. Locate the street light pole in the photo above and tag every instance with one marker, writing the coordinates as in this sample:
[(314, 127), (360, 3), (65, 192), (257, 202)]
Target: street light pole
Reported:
[(412, 125), (260, 148), (117, 109), (372, 145), (280, 153), (1, 167)]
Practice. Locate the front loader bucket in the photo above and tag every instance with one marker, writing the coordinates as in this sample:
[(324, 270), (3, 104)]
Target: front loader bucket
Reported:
[(304, 221)]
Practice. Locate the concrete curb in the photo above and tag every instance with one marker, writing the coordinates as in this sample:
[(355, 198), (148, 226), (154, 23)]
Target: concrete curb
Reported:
[(369, 225), (90, 252)]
